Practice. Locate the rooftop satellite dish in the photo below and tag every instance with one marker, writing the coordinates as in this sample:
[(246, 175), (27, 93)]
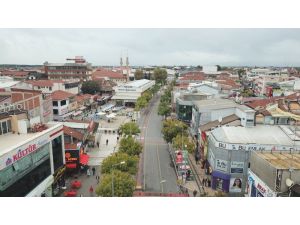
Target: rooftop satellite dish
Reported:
[(289, 182)]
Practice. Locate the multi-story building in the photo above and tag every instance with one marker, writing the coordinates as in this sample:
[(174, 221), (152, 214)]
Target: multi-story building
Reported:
[(230, 149), (128, 93), (31, 157), (49, 86), (63, 104), (116, 77), (79, 70)]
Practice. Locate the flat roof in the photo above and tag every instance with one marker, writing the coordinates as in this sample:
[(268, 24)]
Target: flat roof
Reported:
[(219, 103), (11, 141), (281, 160), (137, 83), (6, 83), (264, 134), (81, 125)]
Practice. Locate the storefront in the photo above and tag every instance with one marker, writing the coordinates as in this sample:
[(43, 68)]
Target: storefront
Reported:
[(257, 188)]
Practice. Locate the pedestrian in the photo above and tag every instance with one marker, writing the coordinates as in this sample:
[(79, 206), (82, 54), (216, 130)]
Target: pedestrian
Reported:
[(106, 141), (97, 178), (88, 172), (203, 182), (98, 144), (208, 183), (81, 195), (194, 193), (117, 138), (91, 190), (94, 170)]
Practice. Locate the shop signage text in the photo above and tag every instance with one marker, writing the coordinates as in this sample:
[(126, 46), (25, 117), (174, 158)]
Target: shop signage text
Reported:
[(251, 147)]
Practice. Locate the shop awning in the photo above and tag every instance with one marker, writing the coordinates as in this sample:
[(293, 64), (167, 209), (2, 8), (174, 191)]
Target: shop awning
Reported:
[(84, 159), (221, 175), (71, 165)]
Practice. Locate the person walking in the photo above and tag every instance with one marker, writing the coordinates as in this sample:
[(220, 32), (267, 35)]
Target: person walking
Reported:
[(91, 190), (88, 172), (94, 170), (98, 144), (118, 138), (97, 178), (106, 141)]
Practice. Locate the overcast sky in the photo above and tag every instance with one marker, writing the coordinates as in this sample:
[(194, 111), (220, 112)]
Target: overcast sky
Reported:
[(236, 47)]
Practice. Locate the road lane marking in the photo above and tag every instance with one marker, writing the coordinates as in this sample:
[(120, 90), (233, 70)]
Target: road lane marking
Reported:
[(159, 169)]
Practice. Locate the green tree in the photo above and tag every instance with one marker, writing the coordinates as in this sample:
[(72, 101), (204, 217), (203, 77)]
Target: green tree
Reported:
[(154, 89), (123, 184), (90, 87), (160, 75), (130, 146), (138, 75), (171, 128), (164, 109), (183, 140), (147, 95), (141, 102), (130, 128), (130, 165)]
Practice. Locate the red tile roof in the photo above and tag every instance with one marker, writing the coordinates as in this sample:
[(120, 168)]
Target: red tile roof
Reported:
[(193, 76), (43, 83), (61, 95), (74, 133), (83, 97), (100, 73), (15, 73), (260, 103)]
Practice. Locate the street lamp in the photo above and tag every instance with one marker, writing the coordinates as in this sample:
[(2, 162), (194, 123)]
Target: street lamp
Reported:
[(112, 176)]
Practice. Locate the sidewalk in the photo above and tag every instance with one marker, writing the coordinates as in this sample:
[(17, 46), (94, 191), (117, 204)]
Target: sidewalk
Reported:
[(201, 173)]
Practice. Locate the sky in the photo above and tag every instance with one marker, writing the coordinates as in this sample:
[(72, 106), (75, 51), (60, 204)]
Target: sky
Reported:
[(225, 47)]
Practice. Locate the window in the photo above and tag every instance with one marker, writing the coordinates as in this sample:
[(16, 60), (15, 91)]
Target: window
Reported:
[(63, 102), (9, 125), (55, 111), (50, 88), (4, 127), (57, 153), (55, 103)]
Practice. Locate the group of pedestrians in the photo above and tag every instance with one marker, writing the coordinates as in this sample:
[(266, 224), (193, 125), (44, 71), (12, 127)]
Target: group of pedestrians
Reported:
[(88, 173)]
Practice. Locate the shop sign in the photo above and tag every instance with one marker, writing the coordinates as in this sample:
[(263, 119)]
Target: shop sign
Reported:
[(237, 167), (23, 152), (221, 165), (251, 147), (261, 187)]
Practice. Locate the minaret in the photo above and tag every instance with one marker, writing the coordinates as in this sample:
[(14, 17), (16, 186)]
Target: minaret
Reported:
[(121, 61), (127, 66)]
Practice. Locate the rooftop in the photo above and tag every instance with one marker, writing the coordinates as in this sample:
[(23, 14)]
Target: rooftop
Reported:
[(107, 73), (264, 134), (214, 104), (137, 83), (61, 95), (281, 160), (11, 141)]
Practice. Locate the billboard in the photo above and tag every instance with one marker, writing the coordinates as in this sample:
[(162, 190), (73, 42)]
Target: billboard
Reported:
[(237, 167), (221, 165), (236, 185)]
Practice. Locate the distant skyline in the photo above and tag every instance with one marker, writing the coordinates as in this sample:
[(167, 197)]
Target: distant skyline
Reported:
[(225, 47)]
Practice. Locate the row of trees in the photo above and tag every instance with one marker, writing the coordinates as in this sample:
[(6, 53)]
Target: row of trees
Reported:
[(159, 75), (143, 101), (164, 107), (90, 87), (118, 173)]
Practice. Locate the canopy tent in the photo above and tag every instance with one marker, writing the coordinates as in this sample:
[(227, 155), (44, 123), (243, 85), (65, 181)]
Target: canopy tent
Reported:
[(84, 159)]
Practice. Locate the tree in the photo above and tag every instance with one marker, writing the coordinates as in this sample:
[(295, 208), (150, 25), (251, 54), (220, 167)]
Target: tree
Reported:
[(141, 102), (164, 109), (147, 95), (138, 75), (90, 87), (130, 165), (130, 128), (171, 128), (123, 184), (160, 75), (130, 146), (180, 141)]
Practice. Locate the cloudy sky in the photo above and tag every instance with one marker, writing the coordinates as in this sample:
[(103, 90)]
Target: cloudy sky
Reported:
[(236, 47)]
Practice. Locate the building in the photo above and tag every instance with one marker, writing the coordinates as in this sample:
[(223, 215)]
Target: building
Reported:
[(230, 149), (31, 157), (205, 111), (116, 77), (127, 94), (273, 174), (16, 74), (38, 106), (79, 70), (63, 105), (49, 86), (210, 69)]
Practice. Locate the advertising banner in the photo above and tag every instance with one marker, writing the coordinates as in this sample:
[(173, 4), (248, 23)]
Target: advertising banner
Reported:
[(221, 165), (235, 185), (237, 167)]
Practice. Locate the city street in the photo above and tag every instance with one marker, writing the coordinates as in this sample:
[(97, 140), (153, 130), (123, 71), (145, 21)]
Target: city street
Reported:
[(159, 176)]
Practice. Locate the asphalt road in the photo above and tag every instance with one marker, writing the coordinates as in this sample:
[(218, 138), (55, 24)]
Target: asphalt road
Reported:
[(159, 176)]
